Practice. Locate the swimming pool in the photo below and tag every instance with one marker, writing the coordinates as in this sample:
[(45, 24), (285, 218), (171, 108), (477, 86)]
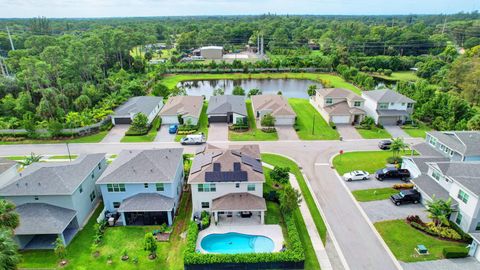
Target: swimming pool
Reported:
[(233, 243)]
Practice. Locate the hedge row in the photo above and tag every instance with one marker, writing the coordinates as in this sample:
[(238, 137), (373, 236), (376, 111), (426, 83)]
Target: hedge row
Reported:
[(455, 252), (294, 252)]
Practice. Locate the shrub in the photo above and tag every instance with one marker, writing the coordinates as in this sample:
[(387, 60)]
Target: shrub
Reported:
[(387, 72), (416, 219), (238, 91), (268, 120), (367, 123), (205, 219), (272, 196), (465, 236), (394, 160), (455, 252), (280, 174), (332, 125), (403, 186), (444, 232), (269, 130)]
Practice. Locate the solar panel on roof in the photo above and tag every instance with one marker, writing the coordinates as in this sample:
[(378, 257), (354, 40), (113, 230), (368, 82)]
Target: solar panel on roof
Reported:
[(254, 163)]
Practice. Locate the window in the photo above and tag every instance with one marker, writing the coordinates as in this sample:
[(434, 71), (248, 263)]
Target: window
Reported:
[(392, 103), (328, 101), (446, 150), (116, 187), (35, 198), (80, 189), (92, 196), (145, 185), (116, 204), (207, 188), (251, 187), (357, 104), (458, 220), (442, 147), (451, 153), (433, 141), (237, 185), (383, 105), (99, 166), (410, 105), (160, 187), (463, 196), (436, 175), (478, 227), (93, 175), (403, 103), (205, 205)]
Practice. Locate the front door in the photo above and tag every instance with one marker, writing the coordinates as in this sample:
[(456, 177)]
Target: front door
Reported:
[(356, 119)]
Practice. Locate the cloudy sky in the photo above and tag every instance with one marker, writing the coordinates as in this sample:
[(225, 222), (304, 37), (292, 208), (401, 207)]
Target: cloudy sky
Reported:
[(123, 8)]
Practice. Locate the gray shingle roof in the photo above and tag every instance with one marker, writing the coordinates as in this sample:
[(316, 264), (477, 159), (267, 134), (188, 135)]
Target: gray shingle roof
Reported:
[(422, 161), (426, 150), (143, 104), (143, 166), (241, 201), (146, 202), (227, 103), (387, 95), (466, 173), (465, 142), (432, 188), (6, 164), (42, 218), (52, 178)]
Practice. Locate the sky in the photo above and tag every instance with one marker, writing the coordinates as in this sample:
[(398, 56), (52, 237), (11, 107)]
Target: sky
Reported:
[(130, 8)]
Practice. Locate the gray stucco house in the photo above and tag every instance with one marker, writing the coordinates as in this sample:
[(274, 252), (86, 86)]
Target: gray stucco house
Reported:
[(148, 105), (54, 199), (144, 186), (226, 109), (388, 107)]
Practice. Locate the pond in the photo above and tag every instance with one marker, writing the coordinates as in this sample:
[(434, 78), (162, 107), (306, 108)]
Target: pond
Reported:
[(291, 88)]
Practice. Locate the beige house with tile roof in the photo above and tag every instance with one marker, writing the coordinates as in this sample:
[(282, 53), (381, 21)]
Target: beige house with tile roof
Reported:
[(228, 182), (277, 106), (338, 105), (188, 107)]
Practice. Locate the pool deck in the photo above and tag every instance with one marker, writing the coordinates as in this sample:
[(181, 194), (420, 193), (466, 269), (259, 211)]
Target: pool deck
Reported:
[(273, 232)]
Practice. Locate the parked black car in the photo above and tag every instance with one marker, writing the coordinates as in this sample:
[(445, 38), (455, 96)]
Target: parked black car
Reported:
[(392, 173), (384, 144), (406, 196)]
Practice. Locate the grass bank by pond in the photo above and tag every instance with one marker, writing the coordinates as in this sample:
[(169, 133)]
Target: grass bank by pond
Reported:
[(335, 81)]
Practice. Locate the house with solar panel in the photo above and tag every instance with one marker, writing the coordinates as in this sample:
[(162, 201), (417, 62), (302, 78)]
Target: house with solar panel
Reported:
[(53, 199), (143, 186), (228, 183)]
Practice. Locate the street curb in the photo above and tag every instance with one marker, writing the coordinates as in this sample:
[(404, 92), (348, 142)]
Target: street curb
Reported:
[(322, 214), (362, 212)]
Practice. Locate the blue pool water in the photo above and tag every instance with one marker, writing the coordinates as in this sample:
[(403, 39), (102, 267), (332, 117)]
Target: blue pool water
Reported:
[(232, 243)]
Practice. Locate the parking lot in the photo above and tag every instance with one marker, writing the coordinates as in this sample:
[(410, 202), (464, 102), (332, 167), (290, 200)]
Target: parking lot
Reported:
[(386, 210), (371, 183)]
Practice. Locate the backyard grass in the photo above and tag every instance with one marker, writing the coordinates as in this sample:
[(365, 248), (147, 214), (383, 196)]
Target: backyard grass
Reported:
[(149, 137), (335, 81), (202, 123), (307, 129), (374, 194), (374, 133), (94, 138), (276, 160), (118, 239), (418, 132), (402, 240), (399, 76), (369, 161), (253, 134)]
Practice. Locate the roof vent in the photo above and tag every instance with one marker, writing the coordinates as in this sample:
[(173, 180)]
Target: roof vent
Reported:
[(151, 170), (39, 184)]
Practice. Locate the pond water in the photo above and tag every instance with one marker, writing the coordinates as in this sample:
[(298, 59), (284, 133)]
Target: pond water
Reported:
[(234, 243), (291, 88)]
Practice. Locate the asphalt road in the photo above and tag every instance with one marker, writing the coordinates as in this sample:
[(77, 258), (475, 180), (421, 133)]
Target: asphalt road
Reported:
[(356, 238)]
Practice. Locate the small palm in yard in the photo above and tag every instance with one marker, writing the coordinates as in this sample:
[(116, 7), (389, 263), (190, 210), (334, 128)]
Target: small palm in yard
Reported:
[(8, 217), (439, 211), (9, 257), (397, 145), (30, 159)]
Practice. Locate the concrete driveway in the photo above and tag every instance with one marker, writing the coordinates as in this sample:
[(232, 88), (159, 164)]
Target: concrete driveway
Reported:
[(286, 133), (115, 134), (218, 132), (372, 183), (468, 263), (163, 135), (348, 132), (386, 210), (396, 131)]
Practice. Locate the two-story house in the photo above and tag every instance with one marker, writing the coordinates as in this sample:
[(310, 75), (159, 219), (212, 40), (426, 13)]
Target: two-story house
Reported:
[(228, 183), (54, 199), (338, 105), (144, 186), (456, 145), (388, 107)]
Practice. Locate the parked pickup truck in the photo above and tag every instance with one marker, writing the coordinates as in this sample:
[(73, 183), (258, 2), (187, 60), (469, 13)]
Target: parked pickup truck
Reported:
[(193, 139), (406, 196), (392, 173)]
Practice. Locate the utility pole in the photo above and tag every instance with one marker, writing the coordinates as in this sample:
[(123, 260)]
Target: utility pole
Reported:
[(10, 37), (261, 46), (68, 150), (444, 24)]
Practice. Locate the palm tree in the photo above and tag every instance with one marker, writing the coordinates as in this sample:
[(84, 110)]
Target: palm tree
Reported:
[(398, 145), (440, 210), (9, 257), (31, 159), (8, 217)]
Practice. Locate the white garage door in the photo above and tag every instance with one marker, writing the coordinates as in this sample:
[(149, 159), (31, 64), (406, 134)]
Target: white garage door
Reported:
[(337, 119), (168, 120), (284, 121)]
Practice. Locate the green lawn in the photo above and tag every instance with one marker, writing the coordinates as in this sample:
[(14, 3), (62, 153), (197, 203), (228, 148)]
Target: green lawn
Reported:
[(418, 132), (94, 138), (149, 137), (308, 130), (253, 134), (277, 160), (402, 239), (399, 76), (202, 123), (369, 161), (63, 157), (374, 194), (335, 81), (170, 254), (374, 133)]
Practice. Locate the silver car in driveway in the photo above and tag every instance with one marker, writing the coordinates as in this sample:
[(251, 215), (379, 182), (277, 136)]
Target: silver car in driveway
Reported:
[(356, 175)]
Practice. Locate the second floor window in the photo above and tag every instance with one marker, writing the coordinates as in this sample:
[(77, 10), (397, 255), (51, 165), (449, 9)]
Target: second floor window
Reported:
[(145, 185), (251, 187), (410, 105), (463, 196), (207, 188), (81, 189), (328, 101), (436, 175), (383, 105), (116, 187), (160, 187), (92, 196), (357, 104)]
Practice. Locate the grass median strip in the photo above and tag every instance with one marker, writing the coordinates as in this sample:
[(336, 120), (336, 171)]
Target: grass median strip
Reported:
[(374, 194), (374, 133)]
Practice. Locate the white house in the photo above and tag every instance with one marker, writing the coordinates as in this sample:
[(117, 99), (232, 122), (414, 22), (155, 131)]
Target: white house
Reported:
[(148, 105), (338, 105), (388, 107), (188, 108), (228, 182), (277, 106)]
